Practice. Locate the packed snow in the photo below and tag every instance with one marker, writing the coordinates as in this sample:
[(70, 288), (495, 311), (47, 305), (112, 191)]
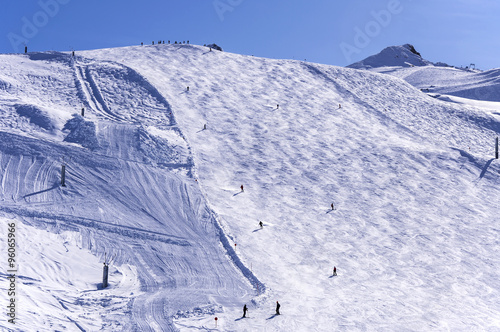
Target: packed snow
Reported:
[(154, 169)]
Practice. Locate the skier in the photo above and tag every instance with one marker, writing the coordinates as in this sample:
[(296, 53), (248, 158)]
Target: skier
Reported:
[(205, 126), (334, 271), (332, 207), (340, 106), (245, 309), (277, 308), (277, 106), (242, 188), (261, 224), (187, 89)]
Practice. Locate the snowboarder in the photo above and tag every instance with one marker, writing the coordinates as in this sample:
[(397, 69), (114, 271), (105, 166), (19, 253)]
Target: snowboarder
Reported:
[(332, 207), (277, 106), (261, 224), (340, 106), (205, 126), (245, 309), (242, 188), (277, 308), (334, 271)]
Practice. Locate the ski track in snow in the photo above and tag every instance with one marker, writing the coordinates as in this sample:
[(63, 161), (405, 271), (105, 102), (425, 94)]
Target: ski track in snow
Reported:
[(123, 199), (413, 237)]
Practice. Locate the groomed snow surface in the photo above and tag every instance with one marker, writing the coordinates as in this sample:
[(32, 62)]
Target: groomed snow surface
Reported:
[(414, 235)]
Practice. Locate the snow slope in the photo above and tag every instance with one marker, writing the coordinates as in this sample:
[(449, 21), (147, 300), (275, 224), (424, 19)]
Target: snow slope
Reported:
[(470, 84), (131, 197), (414, 235)]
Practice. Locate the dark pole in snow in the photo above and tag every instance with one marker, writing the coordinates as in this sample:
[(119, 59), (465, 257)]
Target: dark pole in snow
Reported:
[(105, 275), (63, 176), (496, 148)]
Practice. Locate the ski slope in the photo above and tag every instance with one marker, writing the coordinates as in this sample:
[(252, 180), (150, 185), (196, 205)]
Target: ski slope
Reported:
[(414, 235)]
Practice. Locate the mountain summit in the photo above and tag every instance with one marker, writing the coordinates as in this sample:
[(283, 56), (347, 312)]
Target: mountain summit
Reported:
[(402, 56)]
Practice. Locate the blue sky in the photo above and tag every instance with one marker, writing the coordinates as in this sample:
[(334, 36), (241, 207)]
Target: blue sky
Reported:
[(458, 32)]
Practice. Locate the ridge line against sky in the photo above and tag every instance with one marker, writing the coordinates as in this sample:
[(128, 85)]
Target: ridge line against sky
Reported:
[(458, 32)]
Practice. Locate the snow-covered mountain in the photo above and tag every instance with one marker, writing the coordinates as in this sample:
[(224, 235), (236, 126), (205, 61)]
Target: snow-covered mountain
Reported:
[(154, 169), (393, 56), (479, 88)]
